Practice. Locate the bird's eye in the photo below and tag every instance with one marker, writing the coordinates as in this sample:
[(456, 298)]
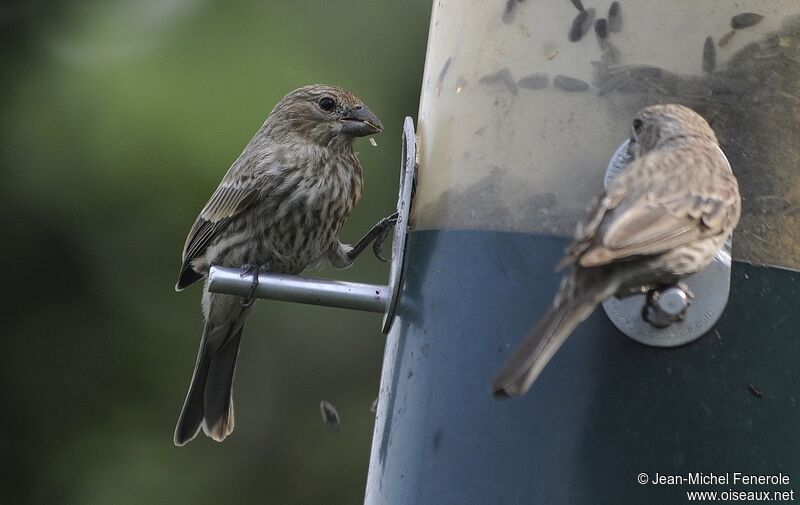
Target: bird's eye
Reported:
[(637, 125), (327, 103)]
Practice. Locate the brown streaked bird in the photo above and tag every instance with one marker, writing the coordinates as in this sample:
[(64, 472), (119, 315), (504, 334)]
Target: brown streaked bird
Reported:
[(279, 208), (662, 218)]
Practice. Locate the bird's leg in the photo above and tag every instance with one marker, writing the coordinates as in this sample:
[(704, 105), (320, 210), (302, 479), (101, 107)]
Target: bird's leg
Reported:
[(376, 236), (254, 270)]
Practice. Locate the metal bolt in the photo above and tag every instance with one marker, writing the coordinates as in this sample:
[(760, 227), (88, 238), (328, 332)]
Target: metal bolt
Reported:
[(666, 306), (672, 301)]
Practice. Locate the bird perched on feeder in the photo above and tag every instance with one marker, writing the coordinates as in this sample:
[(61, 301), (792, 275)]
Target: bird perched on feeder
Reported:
[(662, 218), (279, 208)]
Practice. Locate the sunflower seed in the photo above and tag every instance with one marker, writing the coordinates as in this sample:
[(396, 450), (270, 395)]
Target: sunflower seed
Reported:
[(580, 25), (709, 55), (570, 84), (503, 76), (508, 12), (539, 80), (601, 30), (615, 17), (745, 20), (578, 5), (726, 38), (611, 54), (756, 392), (442, 75)]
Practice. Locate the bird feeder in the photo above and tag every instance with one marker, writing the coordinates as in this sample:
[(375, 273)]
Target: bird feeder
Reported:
[(523, 107)]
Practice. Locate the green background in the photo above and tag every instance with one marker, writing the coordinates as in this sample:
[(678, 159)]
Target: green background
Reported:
[(118, 120)]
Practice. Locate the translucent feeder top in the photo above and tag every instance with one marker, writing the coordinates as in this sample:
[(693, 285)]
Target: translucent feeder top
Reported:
[(524, 103)]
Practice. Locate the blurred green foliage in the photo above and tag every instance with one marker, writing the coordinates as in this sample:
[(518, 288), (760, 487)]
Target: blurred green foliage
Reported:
[(118, 119)]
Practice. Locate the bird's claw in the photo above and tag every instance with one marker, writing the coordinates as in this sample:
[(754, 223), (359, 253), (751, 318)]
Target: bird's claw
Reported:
[(254, 270), (385, 224), (376, 236)]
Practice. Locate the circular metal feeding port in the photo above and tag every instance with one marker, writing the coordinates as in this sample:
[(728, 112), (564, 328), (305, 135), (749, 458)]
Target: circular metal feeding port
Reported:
[(673, 316)]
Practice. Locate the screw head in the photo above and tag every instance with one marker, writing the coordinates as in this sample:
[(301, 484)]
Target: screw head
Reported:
[(672, 301)]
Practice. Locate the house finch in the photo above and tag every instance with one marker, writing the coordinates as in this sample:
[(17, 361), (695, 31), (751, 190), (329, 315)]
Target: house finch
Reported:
[(279, 208), (664, 217)]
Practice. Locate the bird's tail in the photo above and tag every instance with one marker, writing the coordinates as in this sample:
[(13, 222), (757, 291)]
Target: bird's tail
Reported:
[(209, 403), (570, 308)]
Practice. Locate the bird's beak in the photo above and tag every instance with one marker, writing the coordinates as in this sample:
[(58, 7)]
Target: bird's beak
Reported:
[(360, 121)]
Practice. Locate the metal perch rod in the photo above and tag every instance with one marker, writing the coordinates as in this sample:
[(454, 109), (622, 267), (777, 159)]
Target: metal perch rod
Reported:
[(308, 290)]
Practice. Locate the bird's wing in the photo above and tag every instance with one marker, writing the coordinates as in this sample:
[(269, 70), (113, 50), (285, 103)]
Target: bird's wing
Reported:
[(587, 229), (235, 193), (650, 210)]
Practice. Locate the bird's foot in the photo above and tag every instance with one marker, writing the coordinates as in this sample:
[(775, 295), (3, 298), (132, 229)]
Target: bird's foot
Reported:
[(685, 287), (387, 224), (376, 236), (254, 270)]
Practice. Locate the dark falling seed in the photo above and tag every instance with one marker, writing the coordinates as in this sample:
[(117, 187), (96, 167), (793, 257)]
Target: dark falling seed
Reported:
[(726, 38), (580, 25), (329, 416), (709, 55), (570, 84), (745, 20), (614, 17), (756, 392), (539, 80), (578, 5)]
